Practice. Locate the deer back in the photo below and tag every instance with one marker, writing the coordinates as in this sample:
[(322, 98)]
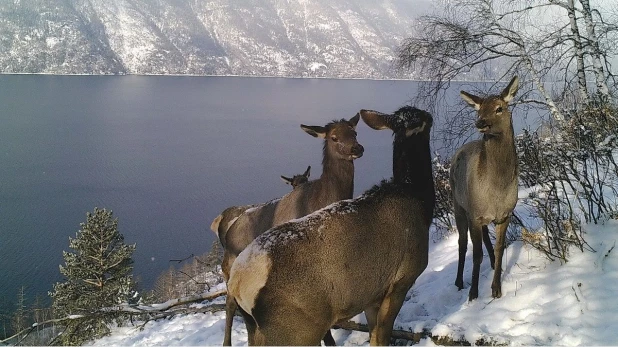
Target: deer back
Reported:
[(372, 242)]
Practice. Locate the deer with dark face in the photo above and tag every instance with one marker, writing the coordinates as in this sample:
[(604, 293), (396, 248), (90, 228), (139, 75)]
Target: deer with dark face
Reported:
[(483, 179), (336, 183), (297, 180), (298, 279)]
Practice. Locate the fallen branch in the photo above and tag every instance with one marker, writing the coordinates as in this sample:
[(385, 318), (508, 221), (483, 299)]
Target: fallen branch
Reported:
[(168, 304), (414, 337), (156, 310)]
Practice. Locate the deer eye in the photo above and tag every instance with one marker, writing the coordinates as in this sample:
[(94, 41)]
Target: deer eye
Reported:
[(334, 138), (499, 109)]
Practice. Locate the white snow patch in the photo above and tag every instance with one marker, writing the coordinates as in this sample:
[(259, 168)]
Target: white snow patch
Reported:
[(543, 302), (51, 41), (315, 66)]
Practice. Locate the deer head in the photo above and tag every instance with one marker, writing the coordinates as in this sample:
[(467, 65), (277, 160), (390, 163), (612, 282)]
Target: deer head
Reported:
[(297, 180), (340, 137), (494, 117)]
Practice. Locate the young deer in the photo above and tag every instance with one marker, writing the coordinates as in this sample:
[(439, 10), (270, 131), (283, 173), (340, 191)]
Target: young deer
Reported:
[(483, 179), (225, 219), (297, 180), (336, 183), (298, 279)]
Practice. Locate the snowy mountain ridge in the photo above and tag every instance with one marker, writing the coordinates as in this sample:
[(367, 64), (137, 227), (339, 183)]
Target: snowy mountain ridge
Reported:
[(285, 38)]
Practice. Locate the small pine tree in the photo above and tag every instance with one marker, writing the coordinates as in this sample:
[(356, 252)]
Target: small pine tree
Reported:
[(98, 275)]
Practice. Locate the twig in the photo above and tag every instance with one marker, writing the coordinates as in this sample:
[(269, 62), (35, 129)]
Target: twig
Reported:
[(181, 260)]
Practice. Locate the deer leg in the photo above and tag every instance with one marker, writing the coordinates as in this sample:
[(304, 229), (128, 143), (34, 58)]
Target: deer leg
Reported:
[(328, 339), (290, 328), (249, 323), (389, 308), (230, 309), (477, 257), (496, 284), (461, 220), (371, 313), (488, 246)]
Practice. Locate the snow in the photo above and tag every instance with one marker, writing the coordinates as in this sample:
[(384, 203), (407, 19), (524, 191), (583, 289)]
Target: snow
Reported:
[(543, 302)]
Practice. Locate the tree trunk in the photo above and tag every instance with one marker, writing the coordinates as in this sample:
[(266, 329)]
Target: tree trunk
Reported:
[(553, 109), (579, 52), (595, 52)]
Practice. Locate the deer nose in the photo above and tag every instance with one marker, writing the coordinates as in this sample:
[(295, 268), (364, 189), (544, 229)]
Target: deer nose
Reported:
[(481, 124), (357, 150)]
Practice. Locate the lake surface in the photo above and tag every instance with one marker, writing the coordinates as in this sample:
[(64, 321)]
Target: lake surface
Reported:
[(165, 154)]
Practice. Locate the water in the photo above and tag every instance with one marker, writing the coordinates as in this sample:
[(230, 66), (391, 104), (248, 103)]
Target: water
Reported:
[(166, 154)]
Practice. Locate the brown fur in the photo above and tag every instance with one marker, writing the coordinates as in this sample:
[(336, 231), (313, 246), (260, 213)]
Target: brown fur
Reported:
[(484, 183), (336, 183), (356, 255), (224, 221)]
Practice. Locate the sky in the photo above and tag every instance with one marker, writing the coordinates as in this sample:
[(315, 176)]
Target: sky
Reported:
[(543, 302)]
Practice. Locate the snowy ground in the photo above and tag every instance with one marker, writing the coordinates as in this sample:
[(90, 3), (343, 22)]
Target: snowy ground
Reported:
[(543, 303)]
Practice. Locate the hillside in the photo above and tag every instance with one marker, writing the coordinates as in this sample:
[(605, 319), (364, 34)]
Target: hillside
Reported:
[(295, 38), (543, 303)]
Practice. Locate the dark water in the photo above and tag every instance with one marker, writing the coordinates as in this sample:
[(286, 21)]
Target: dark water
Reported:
[(166, 154)]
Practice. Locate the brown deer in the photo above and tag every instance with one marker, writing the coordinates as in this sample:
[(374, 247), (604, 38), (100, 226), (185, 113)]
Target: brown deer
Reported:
[(483, 179), (336, 183), (297, 180), (223, 221), (364, 254)]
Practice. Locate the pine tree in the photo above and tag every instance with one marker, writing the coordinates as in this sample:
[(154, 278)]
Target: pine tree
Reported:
[(98, 275)]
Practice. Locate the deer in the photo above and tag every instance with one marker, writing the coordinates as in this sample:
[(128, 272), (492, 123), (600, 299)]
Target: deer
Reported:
[(484, 179), (296, 280), (225, 219), (336, 183), (297, 180)]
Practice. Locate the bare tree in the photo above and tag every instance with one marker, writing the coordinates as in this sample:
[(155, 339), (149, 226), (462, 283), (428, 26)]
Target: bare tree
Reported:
[(495, 39)]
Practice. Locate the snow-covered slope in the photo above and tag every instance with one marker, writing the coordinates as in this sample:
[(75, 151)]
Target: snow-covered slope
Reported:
[(293, 38), (543, 303)]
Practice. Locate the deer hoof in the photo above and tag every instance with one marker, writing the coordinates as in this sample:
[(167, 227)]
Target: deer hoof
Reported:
[(459, 284), (473, 295), (496, 292)]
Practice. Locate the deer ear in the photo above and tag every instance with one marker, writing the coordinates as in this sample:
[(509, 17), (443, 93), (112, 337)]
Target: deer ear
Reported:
[(509, 92), (376, 120), (307, 172), (354, 120), (286, 180), (472, 100), (314, 130)]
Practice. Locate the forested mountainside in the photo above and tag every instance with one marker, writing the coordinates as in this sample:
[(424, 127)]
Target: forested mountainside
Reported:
[(288, 38)]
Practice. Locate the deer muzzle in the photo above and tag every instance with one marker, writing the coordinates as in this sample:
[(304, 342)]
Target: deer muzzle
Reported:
[(357, 151), (482, 125)]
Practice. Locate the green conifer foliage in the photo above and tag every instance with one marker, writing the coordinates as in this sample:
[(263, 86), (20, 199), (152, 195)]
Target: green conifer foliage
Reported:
[(97, 274)]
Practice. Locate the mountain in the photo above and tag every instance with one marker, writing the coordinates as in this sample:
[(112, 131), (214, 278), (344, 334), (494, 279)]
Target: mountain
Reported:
[(287, 38)]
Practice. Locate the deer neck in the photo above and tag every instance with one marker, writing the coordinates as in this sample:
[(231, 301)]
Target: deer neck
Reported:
[(498, 157), (412, 166), (337, 175)]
